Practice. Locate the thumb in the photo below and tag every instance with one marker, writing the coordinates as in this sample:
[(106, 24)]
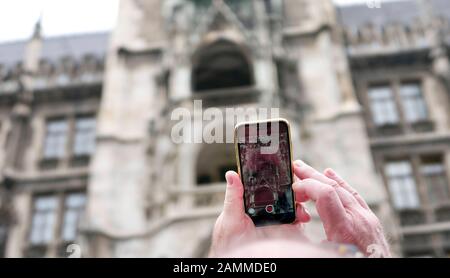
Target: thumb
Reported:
[(234, 195)]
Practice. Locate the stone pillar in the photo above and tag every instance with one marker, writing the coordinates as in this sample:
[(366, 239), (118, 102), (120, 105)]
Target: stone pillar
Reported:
[(17, 235), (119, 174)]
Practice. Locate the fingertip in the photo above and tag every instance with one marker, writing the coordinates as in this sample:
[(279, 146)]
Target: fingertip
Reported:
[(230, 177), (296, 185), (297, 169), (298, 163), (233, 203), (300, 195), (328, 171)]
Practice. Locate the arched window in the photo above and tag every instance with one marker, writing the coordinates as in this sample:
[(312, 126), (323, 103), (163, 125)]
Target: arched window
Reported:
[(213, 161), (221, 65)]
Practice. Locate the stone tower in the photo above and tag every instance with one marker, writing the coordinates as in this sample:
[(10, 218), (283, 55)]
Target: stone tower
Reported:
[(152, 196)]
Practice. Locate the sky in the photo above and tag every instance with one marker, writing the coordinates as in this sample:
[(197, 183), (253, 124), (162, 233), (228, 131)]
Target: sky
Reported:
[(64, 17)]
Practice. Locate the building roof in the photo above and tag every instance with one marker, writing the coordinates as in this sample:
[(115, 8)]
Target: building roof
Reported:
[(402, 11), (55, 48), (354, 16), (11, 53)]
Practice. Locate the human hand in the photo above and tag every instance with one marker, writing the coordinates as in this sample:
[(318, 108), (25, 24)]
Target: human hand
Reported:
[(345, 215), (234, 226)]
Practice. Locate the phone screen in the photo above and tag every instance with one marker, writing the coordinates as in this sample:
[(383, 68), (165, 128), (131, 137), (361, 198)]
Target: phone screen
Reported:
[(266, 173)]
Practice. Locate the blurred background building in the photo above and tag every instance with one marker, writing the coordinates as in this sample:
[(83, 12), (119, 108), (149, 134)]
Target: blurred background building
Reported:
[(85, 120)]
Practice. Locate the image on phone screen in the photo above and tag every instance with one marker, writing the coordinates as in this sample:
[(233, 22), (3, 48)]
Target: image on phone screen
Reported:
[(267, 177)]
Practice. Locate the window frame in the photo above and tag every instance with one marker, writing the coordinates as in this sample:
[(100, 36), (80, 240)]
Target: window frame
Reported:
[(75, 135), (411, 175), (220, 46), (70, 159), (34, 212), (436, 159), (367, 80), (371, 105), (46, 136), (51, 248), (427, 211), (421, 97)]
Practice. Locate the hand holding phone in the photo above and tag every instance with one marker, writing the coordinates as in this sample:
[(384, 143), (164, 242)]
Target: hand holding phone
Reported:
[(264, 158)]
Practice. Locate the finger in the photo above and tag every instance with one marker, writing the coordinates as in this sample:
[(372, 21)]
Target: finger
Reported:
[(303, 215), (308, 172), (328, 204), (234, 195), (304, 171), (346, 198), (330, 173), (300, 196)]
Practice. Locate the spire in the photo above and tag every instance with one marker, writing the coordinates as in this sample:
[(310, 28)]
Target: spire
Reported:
[(33, 52), (38, 28)]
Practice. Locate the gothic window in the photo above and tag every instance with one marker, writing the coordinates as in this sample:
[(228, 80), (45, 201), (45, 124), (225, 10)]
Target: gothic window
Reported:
[(434, 175), (74, 207), (399, 106), (402, 185), (44, 219), (55, 139), (54, 223), (382, 105), (69, 139), (414, 106), (214, 160), (222, 65), (84, 142)]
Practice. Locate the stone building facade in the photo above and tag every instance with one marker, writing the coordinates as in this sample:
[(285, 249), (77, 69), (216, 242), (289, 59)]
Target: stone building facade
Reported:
[(87, 121)]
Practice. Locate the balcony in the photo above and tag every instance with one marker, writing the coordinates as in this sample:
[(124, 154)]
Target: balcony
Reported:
[(231, 96), (192, 201)]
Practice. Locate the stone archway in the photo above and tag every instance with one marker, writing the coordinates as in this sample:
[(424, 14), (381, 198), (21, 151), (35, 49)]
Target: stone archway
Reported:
[(221, 65)]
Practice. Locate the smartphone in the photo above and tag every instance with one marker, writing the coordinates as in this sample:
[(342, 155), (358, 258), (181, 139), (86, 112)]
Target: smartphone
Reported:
[(264, 160)]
